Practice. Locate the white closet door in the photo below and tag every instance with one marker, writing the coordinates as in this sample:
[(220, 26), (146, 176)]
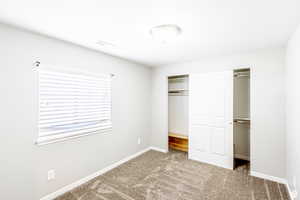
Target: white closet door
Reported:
[(211, 115)]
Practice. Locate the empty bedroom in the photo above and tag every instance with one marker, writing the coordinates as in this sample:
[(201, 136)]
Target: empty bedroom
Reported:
[(150, 100)]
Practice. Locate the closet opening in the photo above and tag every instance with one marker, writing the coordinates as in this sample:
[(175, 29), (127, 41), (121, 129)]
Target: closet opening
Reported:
[(241, 119), (178, 124)]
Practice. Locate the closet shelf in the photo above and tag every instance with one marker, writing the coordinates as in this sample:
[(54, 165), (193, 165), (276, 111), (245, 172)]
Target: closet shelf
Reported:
[(177, 90), (180, 147), (242, 120), (178, 142)]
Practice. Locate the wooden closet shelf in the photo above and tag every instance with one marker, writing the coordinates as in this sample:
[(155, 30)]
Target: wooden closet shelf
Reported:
[(180, 147), (178, 142)]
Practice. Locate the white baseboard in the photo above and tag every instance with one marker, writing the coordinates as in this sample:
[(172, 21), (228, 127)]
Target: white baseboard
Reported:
[(290, 191), (90, 177), (275, 179), (159, 149), (268, 177)]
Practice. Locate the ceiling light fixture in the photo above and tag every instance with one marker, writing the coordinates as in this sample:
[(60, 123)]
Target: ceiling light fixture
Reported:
[(165, 33)]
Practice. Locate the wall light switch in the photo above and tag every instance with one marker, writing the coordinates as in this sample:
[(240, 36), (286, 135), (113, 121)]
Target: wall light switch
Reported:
[(139, 140)]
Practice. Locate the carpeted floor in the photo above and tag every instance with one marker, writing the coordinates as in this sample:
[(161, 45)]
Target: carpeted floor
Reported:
[(171, 176)]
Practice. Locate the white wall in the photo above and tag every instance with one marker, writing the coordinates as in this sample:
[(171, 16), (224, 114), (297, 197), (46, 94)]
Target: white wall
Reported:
[(24, 165), (293, 111), (178, 107), (267, 103)]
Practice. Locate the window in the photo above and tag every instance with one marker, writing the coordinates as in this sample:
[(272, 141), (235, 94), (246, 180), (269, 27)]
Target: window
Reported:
[(72, 105)]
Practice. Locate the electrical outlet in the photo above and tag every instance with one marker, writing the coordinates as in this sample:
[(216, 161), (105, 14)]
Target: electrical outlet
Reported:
[(139, 140), (294, 192), (51, 174)]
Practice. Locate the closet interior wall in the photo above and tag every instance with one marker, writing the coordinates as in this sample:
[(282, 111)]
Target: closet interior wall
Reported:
[(241, 113), (178, 112)]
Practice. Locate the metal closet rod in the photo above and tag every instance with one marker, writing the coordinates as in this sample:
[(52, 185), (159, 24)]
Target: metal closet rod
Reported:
[(240, 121), (242, 74), (36, 65)]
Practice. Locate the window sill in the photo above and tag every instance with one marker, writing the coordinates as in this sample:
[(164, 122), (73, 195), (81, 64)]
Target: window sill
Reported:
[(55, 139)]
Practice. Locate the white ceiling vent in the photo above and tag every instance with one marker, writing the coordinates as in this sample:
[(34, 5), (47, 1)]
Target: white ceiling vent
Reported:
[(105, 44)]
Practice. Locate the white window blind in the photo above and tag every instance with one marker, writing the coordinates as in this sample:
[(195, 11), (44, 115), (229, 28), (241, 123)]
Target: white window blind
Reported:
[(72, 105)]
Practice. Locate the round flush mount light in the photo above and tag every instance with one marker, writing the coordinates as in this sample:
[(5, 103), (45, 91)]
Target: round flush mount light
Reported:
[(165, 33)]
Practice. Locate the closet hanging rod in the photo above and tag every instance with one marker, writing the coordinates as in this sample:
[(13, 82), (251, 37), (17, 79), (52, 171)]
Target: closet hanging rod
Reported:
[(241, 121), (37, 64), (176, 78), (177, 90), (241, 74)]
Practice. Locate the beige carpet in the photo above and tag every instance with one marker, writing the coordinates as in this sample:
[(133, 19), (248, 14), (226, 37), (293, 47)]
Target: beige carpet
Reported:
[(172, 176)]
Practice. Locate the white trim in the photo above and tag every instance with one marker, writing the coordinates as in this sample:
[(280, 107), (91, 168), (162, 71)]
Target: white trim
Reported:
[(159, 149), (210, 163), (276, 179), (98, 173), (62, 139), (292, 194), (268, 177)]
